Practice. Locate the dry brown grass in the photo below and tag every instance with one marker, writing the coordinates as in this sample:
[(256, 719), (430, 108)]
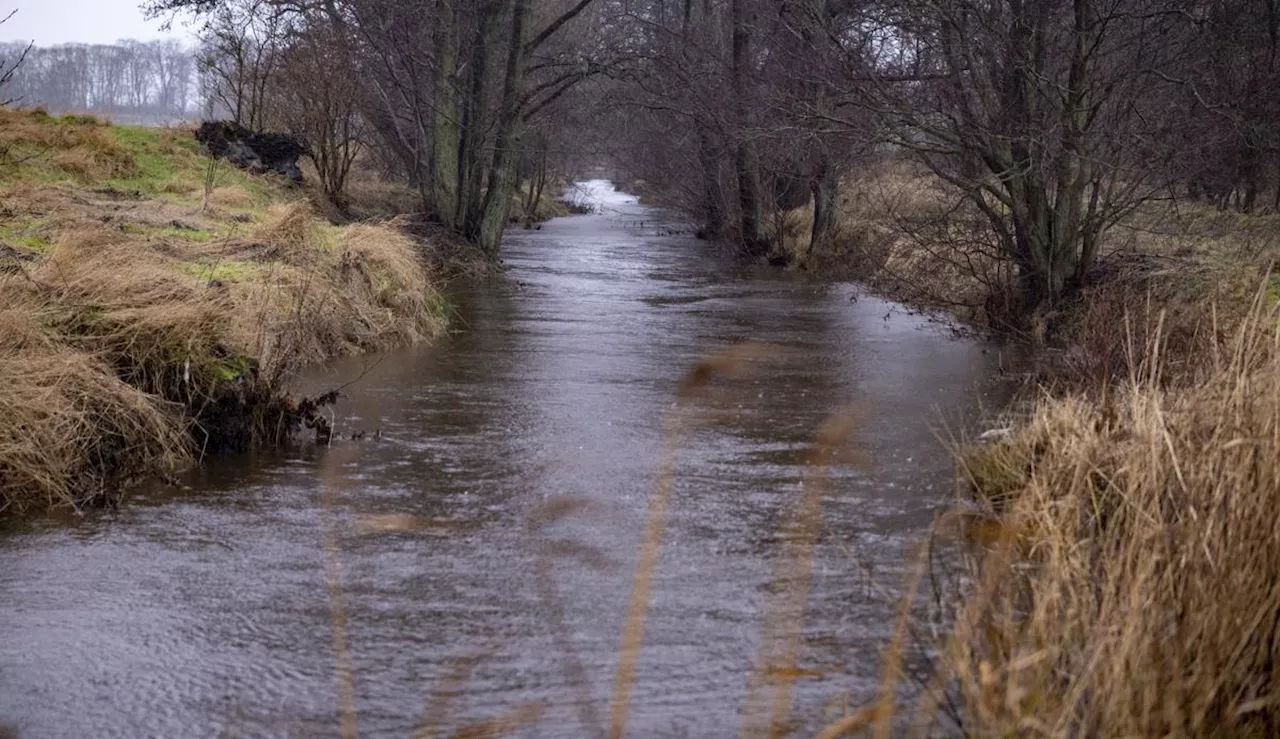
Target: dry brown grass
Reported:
[(232, 196), (901, 230), (77, 145), (679, 422), (791, 231), (1126, 581), (369, 195), (778, 665), (289, 232), (95, 163), (166, 339), (70, 429), (184, 318), (910, 237), (1194, 305), (387, 287)]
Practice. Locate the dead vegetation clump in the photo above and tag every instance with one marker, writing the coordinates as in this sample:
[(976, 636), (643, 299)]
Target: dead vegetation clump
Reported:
[(1194, 304), (232, 196), (387, 289), (95, 163), (361, 287), (288, 233), (900, 230), (1126, 581), (207, 341), (188, 320), (368, 196), (71, 431)]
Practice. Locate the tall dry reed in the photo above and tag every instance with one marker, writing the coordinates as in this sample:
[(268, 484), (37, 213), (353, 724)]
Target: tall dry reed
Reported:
[(1127, 578), (729, 362)]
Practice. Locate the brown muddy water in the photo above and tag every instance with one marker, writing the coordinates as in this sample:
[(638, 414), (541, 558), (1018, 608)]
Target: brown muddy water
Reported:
[(205, 612)]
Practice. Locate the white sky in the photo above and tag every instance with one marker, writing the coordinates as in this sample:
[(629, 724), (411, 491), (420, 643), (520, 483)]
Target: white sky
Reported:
[(50, 22)]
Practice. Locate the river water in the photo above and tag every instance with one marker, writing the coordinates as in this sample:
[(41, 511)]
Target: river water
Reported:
[(208, 611)]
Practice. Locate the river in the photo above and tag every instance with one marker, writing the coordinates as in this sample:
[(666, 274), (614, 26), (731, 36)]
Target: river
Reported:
[(208, 611)]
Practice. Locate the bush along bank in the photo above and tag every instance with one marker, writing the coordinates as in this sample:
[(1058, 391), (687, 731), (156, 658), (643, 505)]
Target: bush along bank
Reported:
[(153, 305)]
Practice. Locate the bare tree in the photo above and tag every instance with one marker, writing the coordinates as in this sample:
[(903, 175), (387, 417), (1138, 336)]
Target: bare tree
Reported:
[(733, 113), (1229, 102), (173, 67), (9, 66), (140, 82), (450, 86), (240, 45), (1037, 111), (317, 97)]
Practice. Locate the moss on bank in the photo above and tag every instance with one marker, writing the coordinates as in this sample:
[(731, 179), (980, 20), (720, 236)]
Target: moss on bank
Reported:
[(152, 306)]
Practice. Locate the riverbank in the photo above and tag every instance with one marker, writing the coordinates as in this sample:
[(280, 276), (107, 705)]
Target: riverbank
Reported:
[(1122, 524), (154, 305), (1127, 584), (908, 236)]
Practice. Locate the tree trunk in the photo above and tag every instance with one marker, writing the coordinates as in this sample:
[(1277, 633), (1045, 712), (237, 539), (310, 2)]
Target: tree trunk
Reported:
[(471, 147), (751, 210), (713, 200), (502, 172), (746, 163), (824, 200), (816, 30), (444, 175), (540, 182)]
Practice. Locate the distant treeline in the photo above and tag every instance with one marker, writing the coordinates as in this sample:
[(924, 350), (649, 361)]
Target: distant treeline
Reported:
[(130, 81)]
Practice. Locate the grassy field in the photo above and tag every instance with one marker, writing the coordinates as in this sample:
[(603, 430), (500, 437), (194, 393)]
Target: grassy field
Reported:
[(154, 303)]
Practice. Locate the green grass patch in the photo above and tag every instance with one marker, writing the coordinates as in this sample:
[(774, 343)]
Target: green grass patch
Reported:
[(28, 233), (172, 162), (234, 368), (225, 271), (34, 243), (164, 163), (156, 163), (327, 237), (28, 163), (442, 306), (75, 119)]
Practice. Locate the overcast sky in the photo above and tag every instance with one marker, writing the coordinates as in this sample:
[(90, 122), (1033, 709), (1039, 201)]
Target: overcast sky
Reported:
[(49, 22)]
